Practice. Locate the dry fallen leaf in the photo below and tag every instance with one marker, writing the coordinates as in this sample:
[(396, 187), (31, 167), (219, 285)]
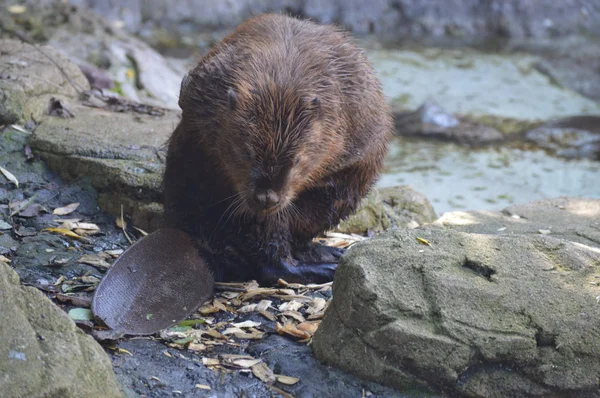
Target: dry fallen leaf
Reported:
[(246, 324), (215, 334), (242, 362), (95, 260), (293, 314), (17, 9), (68, 209), (292, 330), (316, 305), (210, 361), (263, 372), (9, 176), (309, 327), (20, 129), (291, 306), (269, 315), (202, 387), (196, 347), (114, 253), (287, 380)]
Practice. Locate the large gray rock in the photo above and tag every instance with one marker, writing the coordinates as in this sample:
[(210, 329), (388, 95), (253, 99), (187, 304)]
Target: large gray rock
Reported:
[(42, 352), (31, 76), (473, 314)]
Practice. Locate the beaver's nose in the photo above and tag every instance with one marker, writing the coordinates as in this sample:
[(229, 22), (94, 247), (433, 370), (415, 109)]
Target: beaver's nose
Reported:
[(267, 198)]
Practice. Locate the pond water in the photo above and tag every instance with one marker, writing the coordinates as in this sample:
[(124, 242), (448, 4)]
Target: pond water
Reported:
[(453, 177)]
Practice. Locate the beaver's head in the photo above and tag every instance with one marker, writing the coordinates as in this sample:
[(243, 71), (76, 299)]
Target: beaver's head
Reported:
[(274, 145)]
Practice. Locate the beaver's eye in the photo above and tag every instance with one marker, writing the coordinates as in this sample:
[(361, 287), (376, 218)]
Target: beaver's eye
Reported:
[(248, 154)]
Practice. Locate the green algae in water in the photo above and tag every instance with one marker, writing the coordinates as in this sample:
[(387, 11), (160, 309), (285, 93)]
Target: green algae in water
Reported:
[(454, 171)]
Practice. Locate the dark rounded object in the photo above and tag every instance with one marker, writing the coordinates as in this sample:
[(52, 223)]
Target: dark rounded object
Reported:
[(158, 281)]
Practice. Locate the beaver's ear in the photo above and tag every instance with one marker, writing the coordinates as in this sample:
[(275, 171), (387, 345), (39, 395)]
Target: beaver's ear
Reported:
[(233, 97), (184, 84)]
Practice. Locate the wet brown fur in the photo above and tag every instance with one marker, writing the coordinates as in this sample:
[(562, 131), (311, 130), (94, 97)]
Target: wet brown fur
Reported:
[(279, 104)]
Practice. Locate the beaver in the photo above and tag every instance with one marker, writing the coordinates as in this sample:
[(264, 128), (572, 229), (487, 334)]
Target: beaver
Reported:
[(284, 130)]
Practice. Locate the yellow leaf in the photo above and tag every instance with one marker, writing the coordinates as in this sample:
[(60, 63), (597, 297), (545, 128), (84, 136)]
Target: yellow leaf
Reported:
[(9, 176), (65, 232), (424, 241), (124, 351)]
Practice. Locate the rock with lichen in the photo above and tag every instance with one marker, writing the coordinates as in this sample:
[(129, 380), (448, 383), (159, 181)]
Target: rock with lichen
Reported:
[(512, 312), (42, 352)]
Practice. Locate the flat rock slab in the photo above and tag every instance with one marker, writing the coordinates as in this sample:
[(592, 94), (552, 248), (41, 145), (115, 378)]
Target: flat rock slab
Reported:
[(473, 314), (42, 352), (122, 154)]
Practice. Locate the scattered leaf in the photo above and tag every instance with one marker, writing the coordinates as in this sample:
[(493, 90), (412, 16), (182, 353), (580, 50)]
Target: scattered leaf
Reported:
[(423, 241), (263, 305), (264, 373), (197, 347), (17, 9), (123, 351), (68, 209), (280, 392), (246, 324), (269, 315), (65, 232), (19, 129), (114, 253), (144, 233), (292, 330), (202, 387), (32, 210), (184, 340), (291, 306), (18, 206), (287, 380), (4, 225), (191, 322), (210, 361), (215, 334), (309, 327), (148, 316), (293, 314), (9, 176), (81, 314), (316, 305), (79, 301), (95, 260)]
